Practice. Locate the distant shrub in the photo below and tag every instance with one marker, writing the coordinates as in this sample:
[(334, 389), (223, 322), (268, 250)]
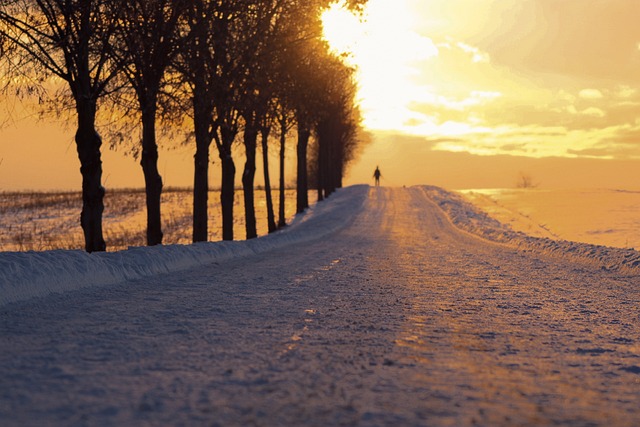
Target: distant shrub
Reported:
[(525, 181)]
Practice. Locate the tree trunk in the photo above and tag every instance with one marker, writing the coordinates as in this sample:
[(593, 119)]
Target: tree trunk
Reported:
[(271, 222), (152, 178), (321, 174), (329, 162), (336, 157), (248, 176), (282, 220), (320, 179), (302, 180), (201, 175), (227, 192), (88, 144)]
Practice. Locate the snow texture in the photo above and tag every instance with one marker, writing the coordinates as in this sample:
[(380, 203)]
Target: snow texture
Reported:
[(606, 217), (395, 318), (469, 218), (25, 275)]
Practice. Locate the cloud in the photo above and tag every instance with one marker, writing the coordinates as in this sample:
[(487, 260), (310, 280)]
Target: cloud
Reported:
[(432, 102), (511, 91), (566, 96), (621, 143), (569, 122), (472, 52), (626, 92), (593, 112), (476, 54), (591, 94), (580, 40), (571, 109)]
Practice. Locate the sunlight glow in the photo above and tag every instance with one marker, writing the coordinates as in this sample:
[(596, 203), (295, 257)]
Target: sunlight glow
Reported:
[(385, 49), (341, 28), (450, 71)]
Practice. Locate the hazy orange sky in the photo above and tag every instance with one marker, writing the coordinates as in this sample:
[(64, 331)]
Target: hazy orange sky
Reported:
[(501, 82), (457, 93)]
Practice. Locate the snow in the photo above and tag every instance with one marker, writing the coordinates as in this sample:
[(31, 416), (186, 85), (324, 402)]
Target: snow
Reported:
[(25, 275), (48, 221), (604, 217), (474, 220), (381, 306)]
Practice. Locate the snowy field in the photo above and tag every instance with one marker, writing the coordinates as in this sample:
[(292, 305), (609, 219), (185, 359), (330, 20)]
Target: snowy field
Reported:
[(597, 216), (377, 307), (494, 225), (24, 275), (46, 221)]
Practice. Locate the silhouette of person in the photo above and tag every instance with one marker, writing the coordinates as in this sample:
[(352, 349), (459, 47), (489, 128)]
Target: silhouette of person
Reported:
[(377, 176)]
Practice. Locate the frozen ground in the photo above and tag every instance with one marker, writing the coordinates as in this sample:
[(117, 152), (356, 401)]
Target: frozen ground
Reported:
[(47, 221), (597, 216), (374, 312)]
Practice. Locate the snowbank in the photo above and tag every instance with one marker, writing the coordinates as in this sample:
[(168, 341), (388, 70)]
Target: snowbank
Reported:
[(25, 275), (599, 216), (471, 219)]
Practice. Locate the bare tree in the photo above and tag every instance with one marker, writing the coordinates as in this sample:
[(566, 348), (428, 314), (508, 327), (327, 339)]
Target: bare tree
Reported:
[(148, 39), (285, 120), (71, 39), (212, 72), (306, 71), (255, 42), (337, 126), (228, 119), (525, 181), (265, 129), (196, 64)]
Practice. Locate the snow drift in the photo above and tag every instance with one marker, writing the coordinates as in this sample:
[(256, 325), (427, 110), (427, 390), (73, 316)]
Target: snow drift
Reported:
[(467, 217), (25, 275)]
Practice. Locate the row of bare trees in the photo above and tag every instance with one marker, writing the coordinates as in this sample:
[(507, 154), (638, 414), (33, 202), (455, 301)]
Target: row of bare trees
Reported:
[(239, 70)]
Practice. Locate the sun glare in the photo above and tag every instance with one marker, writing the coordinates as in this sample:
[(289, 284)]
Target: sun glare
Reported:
[(385, 50), (341, 28), (453, 74)]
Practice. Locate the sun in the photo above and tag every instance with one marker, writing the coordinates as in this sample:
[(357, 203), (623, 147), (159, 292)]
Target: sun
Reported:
[(341, 28), (384, 48)]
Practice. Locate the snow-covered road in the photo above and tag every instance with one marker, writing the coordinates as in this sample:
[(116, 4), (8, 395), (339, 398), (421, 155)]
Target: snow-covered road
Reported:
[(398, 319)]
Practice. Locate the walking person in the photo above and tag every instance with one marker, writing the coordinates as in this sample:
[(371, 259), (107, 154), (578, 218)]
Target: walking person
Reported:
[(377, 174)]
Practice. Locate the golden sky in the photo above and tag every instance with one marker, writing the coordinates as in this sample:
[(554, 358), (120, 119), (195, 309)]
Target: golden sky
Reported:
[(457, 93), (534, 78)]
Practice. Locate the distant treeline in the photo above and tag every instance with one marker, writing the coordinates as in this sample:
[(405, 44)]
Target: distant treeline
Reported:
[(221, 72)]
